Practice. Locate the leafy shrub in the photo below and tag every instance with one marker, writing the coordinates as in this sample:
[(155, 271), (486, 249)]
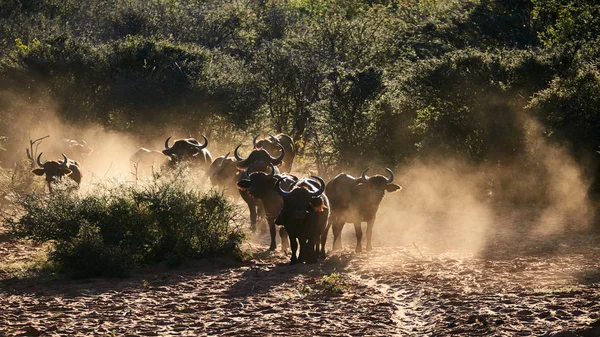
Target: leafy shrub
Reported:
[(333, 283), (112, 229)]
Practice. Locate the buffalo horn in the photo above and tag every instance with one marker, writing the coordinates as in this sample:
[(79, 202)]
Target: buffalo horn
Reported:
[(280, 158), (39, 162), (272, 170), (279, 190), (224, 159), (363, 175), (167, 143), (254, 141), (321, 188), (203, 145), (391, 178), (237, 155), (64, 163)]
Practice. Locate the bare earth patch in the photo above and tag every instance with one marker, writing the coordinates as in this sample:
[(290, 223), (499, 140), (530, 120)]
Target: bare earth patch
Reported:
[(394, 290)]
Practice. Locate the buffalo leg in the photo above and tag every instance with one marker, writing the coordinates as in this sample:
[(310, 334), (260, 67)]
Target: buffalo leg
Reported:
[(358, 230), (294, 247), (337, 235), (285, 242), (273, 232), (252, 208), (313, 250), (261, 214), (323, 241), (369, 233)]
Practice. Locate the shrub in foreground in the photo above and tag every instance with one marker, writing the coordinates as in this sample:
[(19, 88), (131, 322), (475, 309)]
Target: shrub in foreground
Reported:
[(112, 229)]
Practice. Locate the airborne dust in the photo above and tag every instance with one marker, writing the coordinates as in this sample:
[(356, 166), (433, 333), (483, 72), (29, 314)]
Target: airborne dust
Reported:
[(446, 204)]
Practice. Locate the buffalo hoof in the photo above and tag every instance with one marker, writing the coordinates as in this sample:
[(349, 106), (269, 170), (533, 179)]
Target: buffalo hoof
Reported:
[(358, 249), (369, 248), (293, 262), (272, 247)]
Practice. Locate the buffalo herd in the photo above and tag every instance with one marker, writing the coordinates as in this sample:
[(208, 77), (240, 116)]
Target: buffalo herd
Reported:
[(302, 208)]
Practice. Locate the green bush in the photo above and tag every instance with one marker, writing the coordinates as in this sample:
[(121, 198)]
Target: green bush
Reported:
[(112, 229)]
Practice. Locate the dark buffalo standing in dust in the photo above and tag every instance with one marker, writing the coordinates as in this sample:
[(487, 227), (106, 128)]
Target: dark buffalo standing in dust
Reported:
[(356, 200), (304, 215), (223, 172), (188, 150), (273, 143), (55, 170), (258, 160), (261, 186)]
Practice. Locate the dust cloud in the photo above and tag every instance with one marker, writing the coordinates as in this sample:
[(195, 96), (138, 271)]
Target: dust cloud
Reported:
[(445, 204)]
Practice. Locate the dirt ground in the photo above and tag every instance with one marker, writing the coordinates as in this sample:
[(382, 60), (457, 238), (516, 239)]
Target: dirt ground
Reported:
[(514, 287)]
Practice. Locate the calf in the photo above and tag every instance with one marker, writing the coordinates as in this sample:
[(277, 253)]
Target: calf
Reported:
[(356, 200), (304, 215)]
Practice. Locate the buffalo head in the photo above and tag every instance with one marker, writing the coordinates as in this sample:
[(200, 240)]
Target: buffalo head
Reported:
[(184, 148), (376, 184), (258, 158), (55, 170)]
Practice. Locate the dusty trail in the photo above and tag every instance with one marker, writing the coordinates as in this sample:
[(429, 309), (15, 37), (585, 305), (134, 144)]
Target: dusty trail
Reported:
[(393, 290)]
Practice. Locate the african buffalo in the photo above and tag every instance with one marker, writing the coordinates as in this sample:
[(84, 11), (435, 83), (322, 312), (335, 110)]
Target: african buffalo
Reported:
[(74, 149), (189, 150), (261, 186), (304, 215), (356, 200), (223, 172), (144, 161), (259, 159), (271, 145), (55, 170)]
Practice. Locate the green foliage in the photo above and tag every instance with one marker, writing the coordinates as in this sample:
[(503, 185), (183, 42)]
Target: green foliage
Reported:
[(333, 283), (571, 26), (380, 81), (111, 230), (570, 108)]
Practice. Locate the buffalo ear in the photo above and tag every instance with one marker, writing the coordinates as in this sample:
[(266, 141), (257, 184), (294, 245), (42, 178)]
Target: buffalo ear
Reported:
[(38, 172), (317, 204), (244, 184), (65, 171), (393, 187)]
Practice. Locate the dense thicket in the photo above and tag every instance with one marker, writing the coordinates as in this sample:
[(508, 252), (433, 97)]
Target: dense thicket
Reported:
[(383, 81), (113, 229)]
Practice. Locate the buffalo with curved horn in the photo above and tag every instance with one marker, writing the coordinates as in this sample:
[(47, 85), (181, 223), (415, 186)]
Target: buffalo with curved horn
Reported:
[(261, 186), (190, 150), (272, 145), (305, 215), (54, 170), (78, 150), (356, 200), (259, 159)]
